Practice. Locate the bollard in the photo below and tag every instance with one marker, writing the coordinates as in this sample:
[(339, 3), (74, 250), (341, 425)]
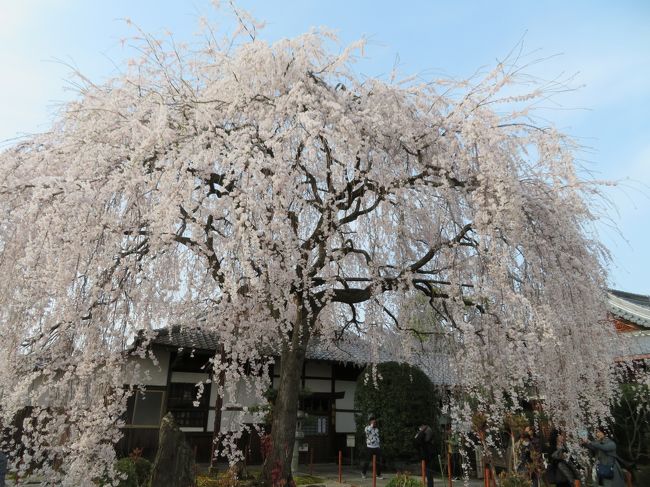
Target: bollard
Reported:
[(311, 461), (424, 477), (628, 478), (486, 475), (449, 465), (374, 471), (576, 483), (340, 467)]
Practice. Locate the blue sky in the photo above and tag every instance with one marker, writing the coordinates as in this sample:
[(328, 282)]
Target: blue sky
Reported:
[(603, 46)]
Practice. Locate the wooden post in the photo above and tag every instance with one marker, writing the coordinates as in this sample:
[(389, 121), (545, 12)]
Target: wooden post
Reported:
[(424, 476), (195, 462), (374, 471), (486, 475), (449, 464), (493, 476), (340, 467), (311, 460), (628, 478), (576, 483)]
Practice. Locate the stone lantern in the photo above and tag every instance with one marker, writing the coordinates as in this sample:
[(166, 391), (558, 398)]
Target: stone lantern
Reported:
[(300, 434)]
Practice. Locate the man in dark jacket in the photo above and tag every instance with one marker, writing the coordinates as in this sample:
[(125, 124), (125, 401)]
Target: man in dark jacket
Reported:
[(424, 440), (3, 468)]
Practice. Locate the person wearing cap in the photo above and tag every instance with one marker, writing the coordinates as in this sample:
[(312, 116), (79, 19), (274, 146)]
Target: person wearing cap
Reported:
[(608, 471)]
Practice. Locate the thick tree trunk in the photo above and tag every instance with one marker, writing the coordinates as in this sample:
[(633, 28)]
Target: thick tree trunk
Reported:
[(277, 466)]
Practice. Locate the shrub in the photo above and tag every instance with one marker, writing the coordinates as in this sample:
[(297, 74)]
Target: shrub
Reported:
[(142, 470), (514, 480), (403, 479), (403, 399), (127, 467), (222, 479), (207, 481), (136, 470), (631, 426)]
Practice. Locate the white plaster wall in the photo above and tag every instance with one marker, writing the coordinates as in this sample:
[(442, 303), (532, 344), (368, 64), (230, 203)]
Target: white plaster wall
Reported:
[(210, 427), (318, 385), (348, 400), (228, 420), (45, 399), (318, 369), (276, 366), (345, 422), (143, 370), (242, 396)]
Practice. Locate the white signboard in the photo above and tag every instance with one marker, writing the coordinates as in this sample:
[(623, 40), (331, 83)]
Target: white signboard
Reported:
[(349, 440)]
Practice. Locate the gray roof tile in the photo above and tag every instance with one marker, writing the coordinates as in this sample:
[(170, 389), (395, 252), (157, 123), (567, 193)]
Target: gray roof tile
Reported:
[(350, 349), (634, 308)]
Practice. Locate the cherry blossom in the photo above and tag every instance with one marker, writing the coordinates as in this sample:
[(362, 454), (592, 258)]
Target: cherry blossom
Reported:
[(266, 192)]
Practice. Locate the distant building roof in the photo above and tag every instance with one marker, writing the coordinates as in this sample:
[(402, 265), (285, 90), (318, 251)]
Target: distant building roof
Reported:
[(634, 308)]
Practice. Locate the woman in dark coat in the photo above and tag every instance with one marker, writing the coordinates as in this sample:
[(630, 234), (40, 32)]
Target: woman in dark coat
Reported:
[(560, 472)]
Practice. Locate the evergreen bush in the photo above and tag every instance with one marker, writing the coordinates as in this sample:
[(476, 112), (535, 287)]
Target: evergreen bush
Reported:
[(401, 400)]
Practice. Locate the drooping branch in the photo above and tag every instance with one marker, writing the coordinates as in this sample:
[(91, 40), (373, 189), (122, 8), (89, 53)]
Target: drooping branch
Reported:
[(426, 258)]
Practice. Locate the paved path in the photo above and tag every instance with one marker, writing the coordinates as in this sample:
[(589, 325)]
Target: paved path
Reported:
[(351, 477)]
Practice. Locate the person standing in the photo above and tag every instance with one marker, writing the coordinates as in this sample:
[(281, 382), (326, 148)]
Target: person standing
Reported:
[(608, 470), (527, 456), (3, 468), (560, 470), (424, 440), (373, 447)]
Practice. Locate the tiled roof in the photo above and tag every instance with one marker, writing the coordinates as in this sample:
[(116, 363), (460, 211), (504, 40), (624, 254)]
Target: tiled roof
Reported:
[(186, 337), (351, 349), (634, 308)]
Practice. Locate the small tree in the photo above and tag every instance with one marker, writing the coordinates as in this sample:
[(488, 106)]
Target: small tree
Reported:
[(631, 427), (402, 398)]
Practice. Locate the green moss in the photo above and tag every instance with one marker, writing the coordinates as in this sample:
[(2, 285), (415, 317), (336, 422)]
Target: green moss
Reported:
[(307, 480)]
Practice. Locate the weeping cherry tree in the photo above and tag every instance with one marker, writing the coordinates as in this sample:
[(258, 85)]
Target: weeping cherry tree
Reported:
[(267, 193)]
